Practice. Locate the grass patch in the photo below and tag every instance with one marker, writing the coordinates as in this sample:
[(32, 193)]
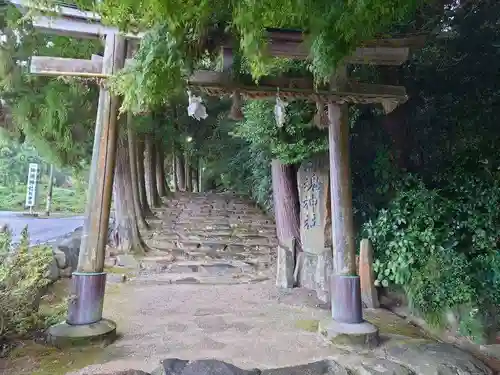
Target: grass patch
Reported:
[(308, 325), (64, 200)]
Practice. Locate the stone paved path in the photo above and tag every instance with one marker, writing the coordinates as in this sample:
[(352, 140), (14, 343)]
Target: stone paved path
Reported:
[(211, 238), (254, 325), (207, 291)]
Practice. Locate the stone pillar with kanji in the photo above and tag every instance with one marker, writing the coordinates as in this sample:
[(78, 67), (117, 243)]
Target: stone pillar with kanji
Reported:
[(316, 262)]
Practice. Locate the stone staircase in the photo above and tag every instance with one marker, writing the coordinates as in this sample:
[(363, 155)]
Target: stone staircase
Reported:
[(210, 238)]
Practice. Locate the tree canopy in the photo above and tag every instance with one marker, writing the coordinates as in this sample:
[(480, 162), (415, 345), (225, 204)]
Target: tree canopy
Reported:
[(56, 115), (183, 34)]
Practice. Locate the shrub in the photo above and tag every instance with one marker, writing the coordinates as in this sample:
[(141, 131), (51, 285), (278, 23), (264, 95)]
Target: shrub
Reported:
[(22, 282), (441, 247)]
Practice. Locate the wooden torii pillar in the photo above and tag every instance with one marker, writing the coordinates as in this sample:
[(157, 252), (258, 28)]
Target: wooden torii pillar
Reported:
[(84, 320)]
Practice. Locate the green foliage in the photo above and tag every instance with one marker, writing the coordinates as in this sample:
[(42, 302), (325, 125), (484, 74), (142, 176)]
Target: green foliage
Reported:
[(69, 193), (436, 230), (441, 247), (335, 28), (14, 162), (56, 116), (238, 155), (235, 164), (64, 200), (156, 74), (22, 282), (249, 173), (296, 141)]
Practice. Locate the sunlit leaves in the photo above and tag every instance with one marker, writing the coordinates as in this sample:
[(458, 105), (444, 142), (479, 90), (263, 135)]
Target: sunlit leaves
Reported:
[(157, 73), (335, 28)]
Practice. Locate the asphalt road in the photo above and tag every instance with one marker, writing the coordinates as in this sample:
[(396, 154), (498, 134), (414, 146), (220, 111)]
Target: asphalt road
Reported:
[(40, 229)]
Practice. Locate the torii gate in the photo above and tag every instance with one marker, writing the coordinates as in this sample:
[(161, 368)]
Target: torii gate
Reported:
[(85, 310)]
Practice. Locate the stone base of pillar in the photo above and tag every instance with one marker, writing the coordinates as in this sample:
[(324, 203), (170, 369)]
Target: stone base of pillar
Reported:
[(363, 335), (347, 326), (84, 324), (64, 335)]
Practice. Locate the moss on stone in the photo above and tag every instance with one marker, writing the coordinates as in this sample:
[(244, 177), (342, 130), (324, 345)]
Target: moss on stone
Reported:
[(391, 324), (120, 271), (361, 340), (36, 359), (307, 325)]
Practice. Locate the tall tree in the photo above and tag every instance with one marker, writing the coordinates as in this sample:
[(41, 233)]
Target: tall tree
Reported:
[(286, 203), (180, 166), (132, 149), (56, 116), (161, 180), (150, 167), (126, 230), (146, 209), (174, 170), (188, 169)]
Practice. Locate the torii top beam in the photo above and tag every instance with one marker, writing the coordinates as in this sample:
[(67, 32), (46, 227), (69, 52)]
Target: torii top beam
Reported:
[(286, 43), (71, 22)]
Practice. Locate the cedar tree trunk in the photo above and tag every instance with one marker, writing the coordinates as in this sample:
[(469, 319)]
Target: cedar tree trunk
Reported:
[(189, 179), (161, 180), (286, 202), (196, 178), (141, 175), (181, 175), (174, 170), (150, 165), (126, 231), (132, 149)]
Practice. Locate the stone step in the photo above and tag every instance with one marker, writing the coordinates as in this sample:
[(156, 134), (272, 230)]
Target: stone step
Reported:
[(204, 223), (224, 216), (165, 236), (232, 233), (218, 204), (219, 210), (174, 232), (220, 255), (182, 278), (250, 240), (221, 246), (253, 218), (224, 230), (210, 267), (214, 244), (200, 266), (211, 238), (211, 249)]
